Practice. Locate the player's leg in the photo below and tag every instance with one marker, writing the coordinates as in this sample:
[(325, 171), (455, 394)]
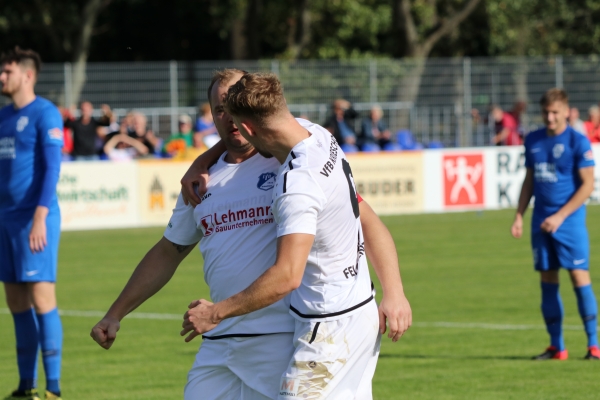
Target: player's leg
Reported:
[(210, 378), (546, 263), (43, 297), (18, 300), (588, 309), (50, 332), (26, 335), (259, 362), (572, 245), (332, 357)]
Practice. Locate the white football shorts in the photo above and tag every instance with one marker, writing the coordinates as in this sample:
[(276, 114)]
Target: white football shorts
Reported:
[(239, 368), (334, 360)]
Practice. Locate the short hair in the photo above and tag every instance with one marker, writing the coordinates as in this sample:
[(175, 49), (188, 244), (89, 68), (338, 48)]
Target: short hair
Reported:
[(204, 108), (223, 76), (594, 110), (23, 57), (554, 95), (256, 95)]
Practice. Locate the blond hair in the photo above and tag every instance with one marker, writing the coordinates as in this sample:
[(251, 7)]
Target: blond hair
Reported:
[(256, 95), (554, 95), (222, 77)]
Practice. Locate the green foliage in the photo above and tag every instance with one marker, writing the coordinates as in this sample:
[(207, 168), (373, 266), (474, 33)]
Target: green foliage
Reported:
[(459, 268)]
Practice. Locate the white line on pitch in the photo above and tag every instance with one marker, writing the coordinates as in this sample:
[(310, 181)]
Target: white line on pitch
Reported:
[(456, 325)]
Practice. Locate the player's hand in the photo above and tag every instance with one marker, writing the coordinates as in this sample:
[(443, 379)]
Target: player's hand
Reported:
[(105, 332), (552, 223), (193, 184), (37, 235), (517, 227), (398, 314), (198, 319)]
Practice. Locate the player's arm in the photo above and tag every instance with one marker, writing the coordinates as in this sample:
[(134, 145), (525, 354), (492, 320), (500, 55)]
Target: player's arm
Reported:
[(273, 285), (151, 274), (50, 131), (196, 176), (381, 252), (553, 222), (524, 198)]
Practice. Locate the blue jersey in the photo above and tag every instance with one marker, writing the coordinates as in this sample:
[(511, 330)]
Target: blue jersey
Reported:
[(556, 161), (31, 139)]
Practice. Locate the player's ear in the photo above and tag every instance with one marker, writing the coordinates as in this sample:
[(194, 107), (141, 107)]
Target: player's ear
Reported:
[(248, 128)]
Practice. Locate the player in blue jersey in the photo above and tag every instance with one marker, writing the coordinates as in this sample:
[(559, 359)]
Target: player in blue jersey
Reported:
[(560, 175), (30, 154)]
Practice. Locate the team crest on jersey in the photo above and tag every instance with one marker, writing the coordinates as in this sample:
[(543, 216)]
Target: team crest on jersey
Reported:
[(266, 181), (207, 225), (22, 123), (55, 133), (558, 149)]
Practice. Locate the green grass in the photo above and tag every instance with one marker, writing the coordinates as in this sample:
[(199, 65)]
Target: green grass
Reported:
[(459, 268)]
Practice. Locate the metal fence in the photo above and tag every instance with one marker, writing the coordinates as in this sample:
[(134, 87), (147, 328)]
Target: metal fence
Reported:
[(434, 99)]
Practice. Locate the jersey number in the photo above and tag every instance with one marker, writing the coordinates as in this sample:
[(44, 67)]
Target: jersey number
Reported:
[(349, 178)]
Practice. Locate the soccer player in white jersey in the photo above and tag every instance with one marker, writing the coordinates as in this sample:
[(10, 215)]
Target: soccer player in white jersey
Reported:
[(320, 253), (246, 356)]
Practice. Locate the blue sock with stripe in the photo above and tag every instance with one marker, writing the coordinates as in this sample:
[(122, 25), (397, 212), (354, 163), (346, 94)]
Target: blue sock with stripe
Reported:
[(26, 333), (552, 310), (588, 309), (51, 338)]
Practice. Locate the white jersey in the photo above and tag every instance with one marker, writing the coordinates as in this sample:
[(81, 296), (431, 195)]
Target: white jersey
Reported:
[(315, 194), (238, 240)]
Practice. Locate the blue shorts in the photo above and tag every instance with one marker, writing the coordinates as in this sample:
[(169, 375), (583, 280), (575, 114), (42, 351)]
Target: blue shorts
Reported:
[(17, 263), (567, 248)]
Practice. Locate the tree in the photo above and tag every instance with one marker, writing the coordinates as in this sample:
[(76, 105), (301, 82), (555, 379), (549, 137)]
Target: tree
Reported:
[(61, 29)]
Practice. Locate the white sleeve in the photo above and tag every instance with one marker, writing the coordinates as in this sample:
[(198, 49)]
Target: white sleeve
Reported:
[(296, 210), (182, 228)]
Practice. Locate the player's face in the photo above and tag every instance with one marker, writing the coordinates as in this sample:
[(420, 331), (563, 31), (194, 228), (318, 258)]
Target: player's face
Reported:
[(253, 139), (227, 130), (11, 78), (555, 116)]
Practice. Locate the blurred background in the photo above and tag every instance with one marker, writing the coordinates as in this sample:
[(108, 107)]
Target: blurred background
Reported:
[(433, 68)]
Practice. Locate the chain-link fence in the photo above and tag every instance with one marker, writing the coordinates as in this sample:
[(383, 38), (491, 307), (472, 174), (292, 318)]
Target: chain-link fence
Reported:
[(433, 99)]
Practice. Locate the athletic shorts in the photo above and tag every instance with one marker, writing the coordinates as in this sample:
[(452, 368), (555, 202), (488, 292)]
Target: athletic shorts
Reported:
[(239, 368), (567, 248), (17, 262), (334, 360)]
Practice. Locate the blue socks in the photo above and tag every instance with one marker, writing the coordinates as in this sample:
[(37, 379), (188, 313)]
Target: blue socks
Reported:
[(51, 337), (26, 333), (588, 309), (552, 310)]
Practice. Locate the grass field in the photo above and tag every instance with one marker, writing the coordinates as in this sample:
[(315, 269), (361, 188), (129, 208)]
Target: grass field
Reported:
[(474, 295)]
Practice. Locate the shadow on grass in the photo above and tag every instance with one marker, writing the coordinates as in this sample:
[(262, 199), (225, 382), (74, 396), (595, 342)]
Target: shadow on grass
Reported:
[(452, 357)]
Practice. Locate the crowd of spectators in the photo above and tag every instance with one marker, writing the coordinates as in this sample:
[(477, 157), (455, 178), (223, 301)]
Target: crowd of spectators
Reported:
[(89, 139)]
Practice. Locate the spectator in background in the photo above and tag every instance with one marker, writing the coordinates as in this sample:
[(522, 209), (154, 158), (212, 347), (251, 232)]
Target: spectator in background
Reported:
[(67, 134), (142, 133), (122, 146), (592, 125), (341, 122), (180, 141), (373, 130), (506, 128), (85, 131), (576, 122), (205, 133)]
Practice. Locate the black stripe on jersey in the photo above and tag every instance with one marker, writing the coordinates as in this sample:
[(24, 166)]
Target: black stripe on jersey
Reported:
[(290, 163), (314, 334), (335, 314), (293, 155), (285, 181), (240, 335)]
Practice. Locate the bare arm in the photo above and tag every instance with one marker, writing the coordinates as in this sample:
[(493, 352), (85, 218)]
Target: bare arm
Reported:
[(553, 222), (151, 274), (279, 280), (197, 175), (381, 252), (524, 199)]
